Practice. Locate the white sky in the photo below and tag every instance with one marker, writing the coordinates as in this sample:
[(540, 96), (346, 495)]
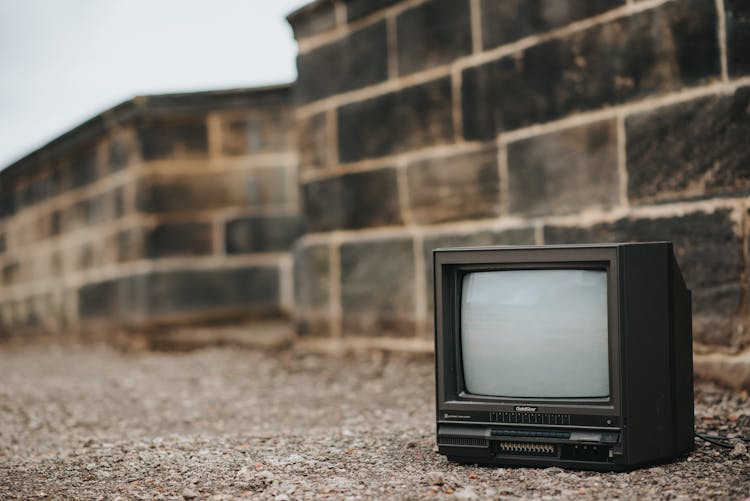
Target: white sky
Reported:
[(64, 61)]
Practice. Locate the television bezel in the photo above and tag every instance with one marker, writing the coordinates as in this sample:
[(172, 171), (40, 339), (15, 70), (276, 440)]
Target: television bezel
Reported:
[(453, 264)]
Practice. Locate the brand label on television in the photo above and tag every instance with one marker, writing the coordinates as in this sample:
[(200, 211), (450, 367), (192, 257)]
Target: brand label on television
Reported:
[(525, 408), (455, 416)]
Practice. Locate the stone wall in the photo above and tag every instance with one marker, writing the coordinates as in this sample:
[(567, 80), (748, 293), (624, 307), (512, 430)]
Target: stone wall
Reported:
[(428, 123), (164, 210)]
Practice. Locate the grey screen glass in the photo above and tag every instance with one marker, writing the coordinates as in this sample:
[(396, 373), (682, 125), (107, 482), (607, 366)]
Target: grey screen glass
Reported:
[(535, 333)]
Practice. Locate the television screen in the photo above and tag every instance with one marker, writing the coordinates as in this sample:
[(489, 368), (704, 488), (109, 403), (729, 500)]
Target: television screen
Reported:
[(538, 333)]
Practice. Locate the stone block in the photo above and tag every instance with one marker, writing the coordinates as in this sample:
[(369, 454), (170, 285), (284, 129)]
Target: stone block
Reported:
[(179, 239), (265, 130), (101, 300), (313, 19), (312, 278), (254, 289), (690, 149), (377, 287), (122, 150), (463, 186), (412, 118), (356, 9), (564, 171), (262, 234), (653, 52), (352, 201), (510, 20), (737, 16), (173, 139), (354, 61), (513, 236), (312, 142), (257, 188), (433, 33), (708, 249), (83, 167)]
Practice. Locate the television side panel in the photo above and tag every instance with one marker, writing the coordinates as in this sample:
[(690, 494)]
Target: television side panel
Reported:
[(682, 350), (645, 338)]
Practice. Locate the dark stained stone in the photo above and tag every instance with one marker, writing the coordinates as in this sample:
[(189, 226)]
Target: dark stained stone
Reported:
[(122, 151), (354, 61), (312, 142), (709, 251), (262, 234), (179, 239), (690, 149), (652, 52), (506, 21), (432, 33), (356, 9), (737, 15), (351, 201), (130, 244), (411, 118), (377, 287), (258, 131), (83, 168), (11, 272), (312, 277), (564, 171), (259, 188), (313, 19), (463, 186), (55, 223), (514, 236), (196, 292), (3, 242), (173, 139), (100, 299)]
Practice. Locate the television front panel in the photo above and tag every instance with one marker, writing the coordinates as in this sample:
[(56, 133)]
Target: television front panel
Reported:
[(574, 356)]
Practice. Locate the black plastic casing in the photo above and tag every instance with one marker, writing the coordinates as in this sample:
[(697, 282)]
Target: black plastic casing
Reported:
[(648, 416)]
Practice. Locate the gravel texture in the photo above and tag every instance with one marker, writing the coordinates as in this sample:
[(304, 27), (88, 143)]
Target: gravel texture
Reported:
[(89, 422)]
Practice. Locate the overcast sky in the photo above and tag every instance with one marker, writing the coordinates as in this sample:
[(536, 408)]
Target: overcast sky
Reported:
[(64, 61)]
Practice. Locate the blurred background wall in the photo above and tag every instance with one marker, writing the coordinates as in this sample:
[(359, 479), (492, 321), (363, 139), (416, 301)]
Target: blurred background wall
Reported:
[(413, 124)]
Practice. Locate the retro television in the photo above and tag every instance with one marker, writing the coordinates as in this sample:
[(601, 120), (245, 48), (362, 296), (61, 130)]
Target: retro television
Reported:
[(577, 356)]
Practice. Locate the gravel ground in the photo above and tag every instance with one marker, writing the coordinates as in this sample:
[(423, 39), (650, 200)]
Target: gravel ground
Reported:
[(89, 422)]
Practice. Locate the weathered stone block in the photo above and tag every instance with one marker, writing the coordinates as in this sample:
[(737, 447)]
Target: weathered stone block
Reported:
[(416, 117), (179, 239), (259, 188), (377, 287), (462, 186), (690, 149), (312, 277), (83, 167), (356, 9), (262, 234), (509, 20), (195, 292), (653, 52), (564, 171), (101, 299), (737, 15), (432, 33), (173, 139), (708, 249), (123, 149), (351, 201), (513, 236), (312, 141), (351, 62), (258, 131), (313, 19)]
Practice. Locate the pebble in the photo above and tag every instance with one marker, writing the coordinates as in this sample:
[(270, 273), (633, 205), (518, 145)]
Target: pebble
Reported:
[(740, 449), (465, 493), (188, 493), (435, 478)]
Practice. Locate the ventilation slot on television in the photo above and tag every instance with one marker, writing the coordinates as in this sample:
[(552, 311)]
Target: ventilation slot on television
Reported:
[(463, 442), (526, 449), (529, 418)]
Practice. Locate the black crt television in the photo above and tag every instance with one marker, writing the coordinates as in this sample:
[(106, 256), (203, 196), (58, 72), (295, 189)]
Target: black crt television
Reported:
[(576, 356)]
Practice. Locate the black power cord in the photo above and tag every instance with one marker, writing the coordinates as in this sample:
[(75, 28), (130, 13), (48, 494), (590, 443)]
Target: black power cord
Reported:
[(719, 440)]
